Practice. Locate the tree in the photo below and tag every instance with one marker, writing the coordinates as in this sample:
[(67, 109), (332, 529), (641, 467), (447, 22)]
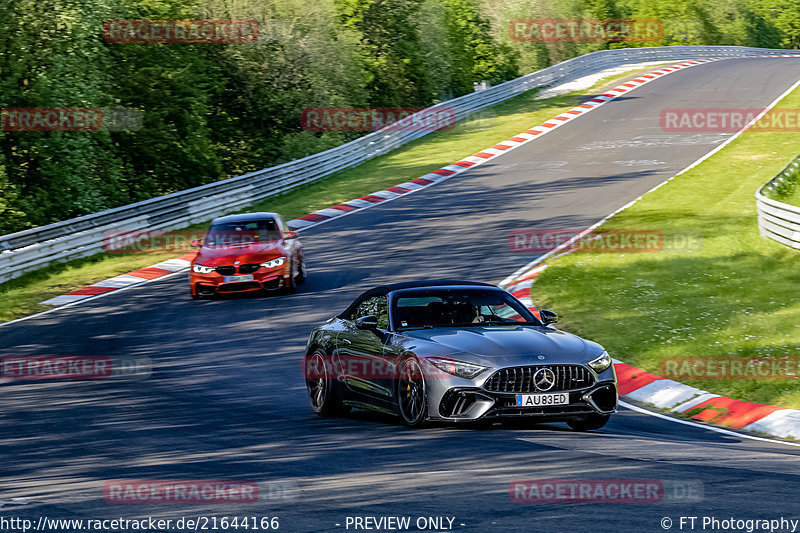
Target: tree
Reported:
[(390, 50), (54, 58), (476, 55)]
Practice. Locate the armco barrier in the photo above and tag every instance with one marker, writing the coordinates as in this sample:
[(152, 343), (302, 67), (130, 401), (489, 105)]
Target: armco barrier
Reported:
[(35, 248), (777, 220)]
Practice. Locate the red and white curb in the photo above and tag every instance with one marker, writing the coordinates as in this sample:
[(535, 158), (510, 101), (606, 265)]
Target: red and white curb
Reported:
[(665, 394), (454, 169), (705, 406), (634, 383), (329, 213), (135, 277), (323, 215)]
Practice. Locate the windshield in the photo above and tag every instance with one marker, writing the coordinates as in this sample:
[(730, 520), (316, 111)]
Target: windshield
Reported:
[(421, 308), (233, 233)]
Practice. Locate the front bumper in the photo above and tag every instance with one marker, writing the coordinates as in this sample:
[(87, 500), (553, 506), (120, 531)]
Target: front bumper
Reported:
[(213, 283), (475, 403), (486, 397)]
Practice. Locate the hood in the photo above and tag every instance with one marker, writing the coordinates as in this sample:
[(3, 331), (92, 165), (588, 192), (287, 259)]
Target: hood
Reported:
[(257, 252), (496, 346)]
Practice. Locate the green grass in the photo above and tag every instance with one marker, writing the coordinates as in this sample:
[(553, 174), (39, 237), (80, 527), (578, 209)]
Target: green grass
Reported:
[(735, 295), (21, 296), (792, 198), (788, 191)]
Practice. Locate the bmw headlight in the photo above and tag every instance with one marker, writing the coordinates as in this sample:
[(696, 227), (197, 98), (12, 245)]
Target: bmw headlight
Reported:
[(601, 363), (457, 368), (272, 263), (200, 269)]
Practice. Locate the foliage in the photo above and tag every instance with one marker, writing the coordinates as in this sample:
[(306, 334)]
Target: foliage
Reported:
[(214, 110)]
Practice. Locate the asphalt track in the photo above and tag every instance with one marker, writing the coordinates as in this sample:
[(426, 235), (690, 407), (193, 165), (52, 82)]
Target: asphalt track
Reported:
[(226, 399)]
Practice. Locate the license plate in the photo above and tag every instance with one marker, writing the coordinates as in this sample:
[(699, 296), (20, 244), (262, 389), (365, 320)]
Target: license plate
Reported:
[(540, 400), (235, 279)]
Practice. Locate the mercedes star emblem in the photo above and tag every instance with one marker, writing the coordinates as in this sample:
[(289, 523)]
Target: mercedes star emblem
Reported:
[(544, 379)]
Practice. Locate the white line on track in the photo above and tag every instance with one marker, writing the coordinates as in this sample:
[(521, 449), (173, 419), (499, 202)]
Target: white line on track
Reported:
[(543, 131), (95, 297), (544, 256), (520, 271), (526, 267), (416, 187), (705, 426)]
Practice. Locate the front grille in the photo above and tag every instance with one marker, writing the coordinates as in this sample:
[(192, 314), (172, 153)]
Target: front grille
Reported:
[(556, 411), (249, 268), (520, 378), (240, 286), (226, 270)]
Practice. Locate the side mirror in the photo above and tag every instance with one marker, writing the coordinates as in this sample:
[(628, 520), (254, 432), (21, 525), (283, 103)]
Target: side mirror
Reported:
[(369, 322), (290, 235), (195, 243), (548, 317)]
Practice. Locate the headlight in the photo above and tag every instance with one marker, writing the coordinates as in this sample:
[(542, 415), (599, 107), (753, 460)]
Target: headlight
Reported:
[(458, 368), (272, 263), (200, 269), (601, 363)]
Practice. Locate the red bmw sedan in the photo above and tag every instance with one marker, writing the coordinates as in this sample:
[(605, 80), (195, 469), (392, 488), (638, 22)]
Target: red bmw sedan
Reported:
[(246, 253)]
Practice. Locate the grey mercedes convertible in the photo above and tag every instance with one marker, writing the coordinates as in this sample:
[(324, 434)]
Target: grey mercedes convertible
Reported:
[(456, 351)]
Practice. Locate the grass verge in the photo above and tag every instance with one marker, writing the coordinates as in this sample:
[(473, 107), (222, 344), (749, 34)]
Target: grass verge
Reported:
[(788, 191), (733, 296), (21, 296)]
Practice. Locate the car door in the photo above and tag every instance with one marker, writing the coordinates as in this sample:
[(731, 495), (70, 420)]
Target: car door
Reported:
[(360, 357), (394, 353)]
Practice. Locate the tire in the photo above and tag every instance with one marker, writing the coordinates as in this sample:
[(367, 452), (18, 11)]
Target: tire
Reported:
[(198, 296), (301, 272), (412, 397), (321, 392), (291, 286), (588, 422)]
